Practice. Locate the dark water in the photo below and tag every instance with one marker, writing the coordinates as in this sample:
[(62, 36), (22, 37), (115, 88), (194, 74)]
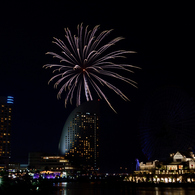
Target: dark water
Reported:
[(65, 188)]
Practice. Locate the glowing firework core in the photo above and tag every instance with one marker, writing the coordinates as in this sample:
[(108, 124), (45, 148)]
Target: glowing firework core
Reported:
[(84, 53)]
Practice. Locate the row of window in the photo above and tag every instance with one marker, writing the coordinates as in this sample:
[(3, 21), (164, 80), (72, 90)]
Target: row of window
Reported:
[(4, 142), (6, 117), (5, 110), (5, 124), (5, 129), (5, 120), (3, 152), (4, 134), (4, 106)]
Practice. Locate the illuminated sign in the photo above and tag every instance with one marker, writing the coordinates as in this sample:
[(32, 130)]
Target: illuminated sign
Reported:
[(10, 100)]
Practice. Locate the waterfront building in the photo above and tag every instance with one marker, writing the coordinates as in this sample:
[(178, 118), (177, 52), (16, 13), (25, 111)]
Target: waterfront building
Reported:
[(180, 167), (79, 140), (179, 161), (56, 163), (6, 103), (42, 162)]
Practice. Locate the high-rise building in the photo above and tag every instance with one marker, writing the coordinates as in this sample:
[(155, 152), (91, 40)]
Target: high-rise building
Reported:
[(79, 141), (5, 129)]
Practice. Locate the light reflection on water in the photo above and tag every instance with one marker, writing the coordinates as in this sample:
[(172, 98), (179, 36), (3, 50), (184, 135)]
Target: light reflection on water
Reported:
[(74, 188)]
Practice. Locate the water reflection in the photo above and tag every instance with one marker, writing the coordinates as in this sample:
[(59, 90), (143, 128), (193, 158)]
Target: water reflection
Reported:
[(62, 184), (61, 188), (164, 191), (75, 188)]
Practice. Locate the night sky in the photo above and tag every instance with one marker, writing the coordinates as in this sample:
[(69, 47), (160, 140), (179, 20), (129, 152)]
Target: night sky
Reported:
[(162, 35)]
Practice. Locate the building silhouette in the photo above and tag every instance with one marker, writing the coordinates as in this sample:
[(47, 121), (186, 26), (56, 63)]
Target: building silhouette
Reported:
[(5, 129), (79, 140)]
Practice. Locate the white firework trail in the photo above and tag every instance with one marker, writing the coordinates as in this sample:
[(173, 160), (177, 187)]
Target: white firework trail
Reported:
[(84, 61)]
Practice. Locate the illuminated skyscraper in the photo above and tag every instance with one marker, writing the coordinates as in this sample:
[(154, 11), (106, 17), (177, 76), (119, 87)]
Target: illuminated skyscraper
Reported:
[(80, 136), (5, 129)]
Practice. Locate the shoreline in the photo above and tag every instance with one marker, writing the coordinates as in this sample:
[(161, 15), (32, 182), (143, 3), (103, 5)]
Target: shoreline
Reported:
[(49, 185)]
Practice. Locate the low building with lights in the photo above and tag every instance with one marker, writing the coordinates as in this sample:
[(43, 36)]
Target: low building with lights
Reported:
[(179, 168), (39, 162), (56, 163)]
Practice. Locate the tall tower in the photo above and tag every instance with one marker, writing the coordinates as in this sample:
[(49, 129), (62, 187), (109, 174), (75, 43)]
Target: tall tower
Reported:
[(5, 129), (80, 136)]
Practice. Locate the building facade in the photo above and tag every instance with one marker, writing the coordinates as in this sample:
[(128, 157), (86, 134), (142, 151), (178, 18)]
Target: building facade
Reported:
[(6, 104), (80, 137), (179, 162), (179, 168), (40, 161)]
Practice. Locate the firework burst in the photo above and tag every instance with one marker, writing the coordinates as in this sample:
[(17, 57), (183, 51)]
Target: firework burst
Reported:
[(83, 63)]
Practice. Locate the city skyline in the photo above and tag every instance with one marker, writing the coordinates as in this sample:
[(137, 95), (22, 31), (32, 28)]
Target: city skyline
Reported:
[(162, 38)]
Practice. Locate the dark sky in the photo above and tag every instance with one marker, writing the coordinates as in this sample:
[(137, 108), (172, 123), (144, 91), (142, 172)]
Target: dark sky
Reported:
[(162, 35)]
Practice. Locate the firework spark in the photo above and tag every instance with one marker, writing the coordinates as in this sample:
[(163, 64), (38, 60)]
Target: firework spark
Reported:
[(84, 62)]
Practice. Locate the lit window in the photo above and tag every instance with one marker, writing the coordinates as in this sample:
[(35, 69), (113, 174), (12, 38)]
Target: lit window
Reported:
[(63, 160)]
